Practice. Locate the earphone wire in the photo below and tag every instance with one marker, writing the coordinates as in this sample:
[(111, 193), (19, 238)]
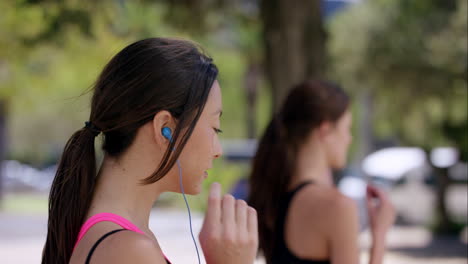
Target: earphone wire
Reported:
[(188, 210)]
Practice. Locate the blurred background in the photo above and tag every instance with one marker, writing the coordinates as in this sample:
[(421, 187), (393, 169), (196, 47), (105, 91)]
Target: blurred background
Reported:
[(403, 62)]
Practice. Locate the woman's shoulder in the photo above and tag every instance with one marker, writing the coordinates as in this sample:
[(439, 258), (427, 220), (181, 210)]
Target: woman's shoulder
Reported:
[(318, 215), (127, 247), (328, 201)]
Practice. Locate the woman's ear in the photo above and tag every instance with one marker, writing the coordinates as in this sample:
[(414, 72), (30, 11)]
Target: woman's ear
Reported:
[(162, 119), (324, 130)]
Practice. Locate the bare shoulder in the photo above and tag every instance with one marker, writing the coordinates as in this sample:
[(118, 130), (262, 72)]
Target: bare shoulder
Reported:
[(342, 205), (328, 197), (328, 202), (318, 215), (129, 247), (342, 214)]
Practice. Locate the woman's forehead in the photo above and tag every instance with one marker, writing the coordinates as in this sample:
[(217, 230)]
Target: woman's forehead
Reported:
[(214, 102)]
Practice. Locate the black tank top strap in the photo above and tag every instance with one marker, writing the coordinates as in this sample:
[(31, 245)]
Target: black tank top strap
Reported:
[(299, 187), (282, 252), (284, 208), (88, 259)]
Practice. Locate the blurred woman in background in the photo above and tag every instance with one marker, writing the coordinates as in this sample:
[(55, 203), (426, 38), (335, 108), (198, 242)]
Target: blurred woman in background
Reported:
[(303, 218)]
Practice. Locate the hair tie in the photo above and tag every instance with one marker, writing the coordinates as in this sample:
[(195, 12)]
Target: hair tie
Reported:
[(96, 131)]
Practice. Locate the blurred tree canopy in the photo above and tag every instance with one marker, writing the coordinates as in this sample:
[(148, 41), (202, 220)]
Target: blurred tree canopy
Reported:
[(55, 49), (402, 52), (412, 57), (52, 51)]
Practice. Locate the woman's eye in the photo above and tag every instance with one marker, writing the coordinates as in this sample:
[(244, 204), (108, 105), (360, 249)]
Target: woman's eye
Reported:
[(217, 130)]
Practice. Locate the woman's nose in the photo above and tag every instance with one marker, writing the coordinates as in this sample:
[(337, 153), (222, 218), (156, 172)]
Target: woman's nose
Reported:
[(218, 150)]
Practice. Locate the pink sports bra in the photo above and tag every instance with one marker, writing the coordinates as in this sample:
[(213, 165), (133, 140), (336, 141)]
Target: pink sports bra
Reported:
[(109, 217)]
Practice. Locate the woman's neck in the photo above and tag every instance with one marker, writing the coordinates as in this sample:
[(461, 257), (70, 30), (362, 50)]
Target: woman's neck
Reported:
[(118, 191), (312, 165)]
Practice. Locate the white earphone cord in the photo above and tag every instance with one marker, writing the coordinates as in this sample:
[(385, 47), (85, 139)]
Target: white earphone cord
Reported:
[(188, 209)]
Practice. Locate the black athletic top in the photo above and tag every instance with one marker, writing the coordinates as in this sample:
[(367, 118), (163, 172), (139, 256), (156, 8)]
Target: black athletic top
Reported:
[(282, 254)]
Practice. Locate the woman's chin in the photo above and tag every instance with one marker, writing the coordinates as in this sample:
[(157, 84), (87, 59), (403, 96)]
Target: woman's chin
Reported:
[(338, 165), (193, 191)]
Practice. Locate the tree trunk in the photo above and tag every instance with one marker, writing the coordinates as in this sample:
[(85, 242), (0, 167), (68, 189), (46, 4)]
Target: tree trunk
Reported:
[(2, 145), (251, 79), (294, 40), (365, 132)]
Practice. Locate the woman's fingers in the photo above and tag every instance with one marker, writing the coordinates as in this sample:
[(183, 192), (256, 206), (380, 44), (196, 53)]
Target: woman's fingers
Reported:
[(372, 192), (376, 192), (228, 215), (252, 222), (241, 214), (229, 233), (381, 211), (213, 213)]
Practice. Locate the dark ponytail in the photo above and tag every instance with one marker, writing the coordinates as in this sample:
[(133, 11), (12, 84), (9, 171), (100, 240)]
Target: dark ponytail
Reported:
[(306, 107), (274, 174), (144, 78), (77, 170)]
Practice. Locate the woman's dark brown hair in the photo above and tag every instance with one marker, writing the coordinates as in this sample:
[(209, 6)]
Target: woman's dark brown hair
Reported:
[(307, 106), (144, 78)]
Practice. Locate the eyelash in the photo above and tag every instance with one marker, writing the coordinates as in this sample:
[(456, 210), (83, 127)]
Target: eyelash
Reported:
[(217, 130)]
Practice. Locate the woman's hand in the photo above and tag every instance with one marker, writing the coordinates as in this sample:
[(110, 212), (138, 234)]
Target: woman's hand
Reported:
[(381, 213), (230, 230)]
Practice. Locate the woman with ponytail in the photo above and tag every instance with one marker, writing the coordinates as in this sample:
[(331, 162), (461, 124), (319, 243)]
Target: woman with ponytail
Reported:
[(157, 105), (302, 217)]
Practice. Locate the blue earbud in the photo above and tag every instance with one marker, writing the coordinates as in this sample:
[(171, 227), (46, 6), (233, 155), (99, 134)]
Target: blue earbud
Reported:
[(167, 133)]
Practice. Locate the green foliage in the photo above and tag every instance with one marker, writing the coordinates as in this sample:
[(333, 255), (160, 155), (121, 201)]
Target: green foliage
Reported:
[(49, 60), (226, 174), (412, 56)]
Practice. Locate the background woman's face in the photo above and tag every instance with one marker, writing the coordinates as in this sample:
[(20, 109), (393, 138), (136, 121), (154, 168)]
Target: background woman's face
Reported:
[(341, 138)]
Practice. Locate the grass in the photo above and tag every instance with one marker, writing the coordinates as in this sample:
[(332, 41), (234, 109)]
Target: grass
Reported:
[(24, 203)]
